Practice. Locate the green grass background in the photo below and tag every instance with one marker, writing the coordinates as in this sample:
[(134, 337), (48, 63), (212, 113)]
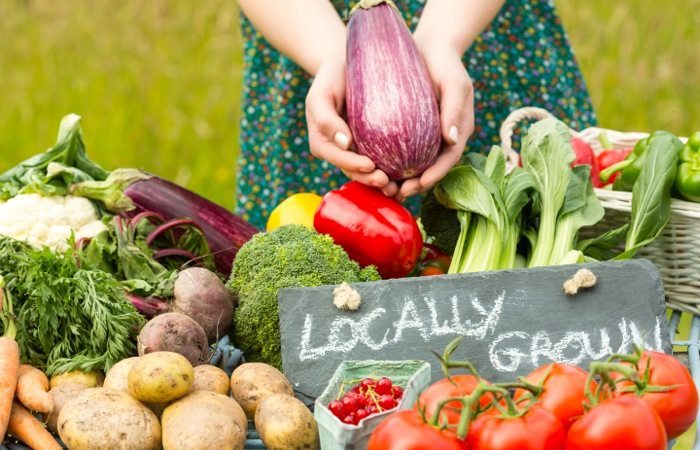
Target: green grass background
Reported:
[(158, 82)]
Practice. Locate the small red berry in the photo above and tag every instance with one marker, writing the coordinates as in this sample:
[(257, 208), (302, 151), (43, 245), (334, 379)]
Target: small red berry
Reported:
[(350, 419), (384, 386), (386, 401), (398, 392), (367, 384), (349, 405), (361, 414), (336, 407)]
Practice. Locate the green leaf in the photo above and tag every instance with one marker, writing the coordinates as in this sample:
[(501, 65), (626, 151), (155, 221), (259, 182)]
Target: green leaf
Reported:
[(605, 246), (68, 161), (651, 194)]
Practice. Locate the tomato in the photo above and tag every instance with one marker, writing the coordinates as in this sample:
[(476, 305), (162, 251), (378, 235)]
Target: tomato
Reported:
[(624, 422), (564, 390), (677, 408), (435, 262), (460, 386), (537, 429), (405, 430), (429, 270)]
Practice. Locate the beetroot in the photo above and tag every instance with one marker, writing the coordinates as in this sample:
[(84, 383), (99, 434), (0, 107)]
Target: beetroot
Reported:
[(200, 294), (174, 332), (392, 107)]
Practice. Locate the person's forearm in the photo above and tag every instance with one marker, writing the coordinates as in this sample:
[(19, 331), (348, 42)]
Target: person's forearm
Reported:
[(454, 24), (307, 31)]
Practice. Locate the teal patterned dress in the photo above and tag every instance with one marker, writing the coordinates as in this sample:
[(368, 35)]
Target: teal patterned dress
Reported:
[(522, 59)]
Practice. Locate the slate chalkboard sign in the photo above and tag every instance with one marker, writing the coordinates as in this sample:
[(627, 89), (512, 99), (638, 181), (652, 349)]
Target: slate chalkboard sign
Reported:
[(512, 321)]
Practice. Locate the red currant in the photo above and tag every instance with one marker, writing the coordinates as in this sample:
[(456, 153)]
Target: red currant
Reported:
[(373, 408), (349, 405), (384, 386), (350, 419), (361, 401), (336, 407), (367, 384), (398, 392), (386, 401), (361, 414)]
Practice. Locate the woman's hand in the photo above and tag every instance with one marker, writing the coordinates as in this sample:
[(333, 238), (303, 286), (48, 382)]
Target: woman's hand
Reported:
[(456, 101), (329, 136)]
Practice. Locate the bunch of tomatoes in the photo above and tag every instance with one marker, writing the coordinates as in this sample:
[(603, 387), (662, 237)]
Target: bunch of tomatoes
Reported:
[(638, 401)]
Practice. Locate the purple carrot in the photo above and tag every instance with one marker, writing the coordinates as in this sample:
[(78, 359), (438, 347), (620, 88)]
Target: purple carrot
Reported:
[(133, 191)]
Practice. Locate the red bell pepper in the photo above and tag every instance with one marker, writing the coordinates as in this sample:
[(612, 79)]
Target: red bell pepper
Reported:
[(610, 156), (372, 228), (586, 156)]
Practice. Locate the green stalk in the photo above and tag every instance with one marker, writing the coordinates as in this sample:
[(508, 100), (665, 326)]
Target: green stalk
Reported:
[(545, 235), (111, 191), (510, 248), (458, 255), (564, 237), (484, 247), (606, 173)]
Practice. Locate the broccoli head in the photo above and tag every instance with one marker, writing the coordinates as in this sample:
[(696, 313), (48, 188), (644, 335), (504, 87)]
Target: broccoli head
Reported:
[(289, 256), (440, 223)]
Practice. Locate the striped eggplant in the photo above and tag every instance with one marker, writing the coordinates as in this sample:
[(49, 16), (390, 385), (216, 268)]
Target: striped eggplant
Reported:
[(392, 108), (131, 191)]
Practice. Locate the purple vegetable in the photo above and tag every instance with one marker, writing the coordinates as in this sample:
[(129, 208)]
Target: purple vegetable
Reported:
[(392, 108), (133, 191)]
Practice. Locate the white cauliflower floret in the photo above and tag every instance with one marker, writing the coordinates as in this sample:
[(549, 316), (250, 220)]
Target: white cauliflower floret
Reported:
[(48, 221)]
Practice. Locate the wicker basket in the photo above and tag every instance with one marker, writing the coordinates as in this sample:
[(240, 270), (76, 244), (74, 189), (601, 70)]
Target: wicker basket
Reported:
[(676, 252)]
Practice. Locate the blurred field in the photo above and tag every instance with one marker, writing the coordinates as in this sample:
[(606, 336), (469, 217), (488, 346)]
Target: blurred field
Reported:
[(158, 82)]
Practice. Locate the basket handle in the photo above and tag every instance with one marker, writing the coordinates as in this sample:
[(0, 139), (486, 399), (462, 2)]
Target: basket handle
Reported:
[(509, 124)]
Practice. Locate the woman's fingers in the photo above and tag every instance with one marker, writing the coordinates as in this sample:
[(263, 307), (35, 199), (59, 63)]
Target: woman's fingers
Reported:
[(456, 108), (376, 178)]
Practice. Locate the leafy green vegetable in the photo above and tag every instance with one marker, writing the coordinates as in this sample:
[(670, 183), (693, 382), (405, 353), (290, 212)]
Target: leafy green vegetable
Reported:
[(651, 194), (547, 156), (67, 317), (289, 256), (50, 172)]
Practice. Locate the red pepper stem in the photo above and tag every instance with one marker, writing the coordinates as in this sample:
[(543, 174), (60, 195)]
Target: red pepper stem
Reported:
[(609, 171)]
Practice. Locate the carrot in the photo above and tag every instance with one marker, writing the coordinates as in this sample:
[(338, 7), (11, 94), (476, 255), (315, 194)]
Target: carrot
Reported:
[(32, 389), (27, 428), (9, 360)]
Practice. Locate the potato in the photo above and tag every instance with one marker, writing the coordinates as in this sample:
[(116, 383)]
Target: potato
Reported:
[(116, 377), (204, 420), (251, 383), (160, 377), (102, 418), (62, 394), (210, 378), (285, 423), (174, 332), (88, 379)]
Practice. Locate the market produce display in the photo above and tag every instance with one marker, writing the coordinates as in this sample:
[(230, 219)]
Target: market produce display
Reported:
[(117, 287)]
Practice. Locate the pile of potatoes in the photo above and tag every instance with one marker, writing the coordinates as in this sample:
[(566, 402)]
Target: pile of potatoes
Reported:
[(160, 401)]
